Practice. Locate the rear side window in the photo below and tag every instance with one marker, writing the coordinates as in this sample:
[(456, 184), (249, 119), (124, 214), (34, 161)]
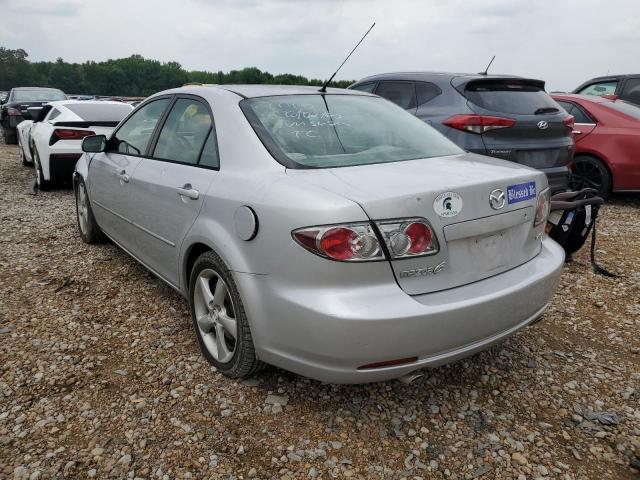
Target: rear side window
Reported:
[(209, 156), (133, 136), (53, 114), (100, 112), (365, 87), (625, 107), (401, 93), (510, 97), (600, 88), (632, 91), (425, 92), (577, 112), (184, 133)]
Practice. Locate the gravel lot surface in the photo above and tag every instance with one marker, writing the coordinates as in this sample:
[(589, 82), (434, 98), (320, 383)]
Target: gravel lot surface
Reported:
[(101, 377)]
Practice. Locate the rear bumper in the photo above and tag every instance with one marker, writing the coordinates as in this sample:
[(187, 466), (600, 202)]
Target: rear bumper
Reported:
[(319, 335)]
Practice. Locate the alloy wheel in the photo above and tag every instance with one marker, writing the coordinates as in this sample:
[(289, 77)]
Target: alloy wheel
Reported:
[(586, 175), (215, 315), (82, 208)]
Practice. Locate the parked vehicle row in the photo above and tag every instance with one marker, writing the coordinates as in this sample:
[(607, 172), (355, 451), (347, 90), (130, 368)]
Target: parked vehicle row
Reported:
[(614, 87), (52, 140)]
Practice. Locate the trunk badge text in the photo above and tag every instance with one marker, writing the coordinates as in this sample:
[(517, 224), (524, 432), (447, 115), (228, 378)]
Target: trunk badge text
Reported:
[(497, 199), (423, 272)]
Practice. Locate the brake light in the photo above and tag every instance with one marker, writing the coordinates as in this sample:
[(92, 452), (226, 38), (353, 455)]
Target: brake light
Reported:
[(68, 134), (569, 122), (408, 237), (350, 242), (542, 207), (478, 123), (404, 238), (611, 97), (13, 112)]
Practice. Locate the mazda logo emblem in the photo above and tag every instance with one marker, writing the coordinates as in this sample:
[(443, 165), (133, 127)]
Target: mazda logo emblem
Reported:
[(542, 125), (497, 199)]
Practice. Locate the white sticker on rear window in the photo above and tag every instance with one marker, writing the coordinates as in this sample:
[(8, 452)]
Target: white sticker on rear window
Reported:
[(448, 204)]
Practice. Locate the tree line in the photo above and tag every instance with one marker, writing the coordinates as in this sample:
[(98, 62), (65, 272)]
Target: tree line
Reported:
[(132, 76)]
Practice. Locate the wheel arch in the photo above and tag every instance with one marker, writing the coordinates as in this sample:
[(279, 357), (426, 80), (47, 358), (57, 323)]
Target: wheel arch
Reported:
[(190, 256)]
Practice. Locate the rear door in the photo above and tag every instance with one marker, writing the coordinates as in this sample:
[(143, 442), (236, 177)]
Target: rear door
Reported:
[(169, 187), (538, 137), (110, 173)]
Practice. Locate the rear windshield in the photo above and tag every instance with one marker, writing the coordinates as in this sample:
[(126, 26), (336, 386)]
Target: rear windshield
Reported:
[(516, 98), (97, 112), (37, 95), (626, 108), (324, 131)]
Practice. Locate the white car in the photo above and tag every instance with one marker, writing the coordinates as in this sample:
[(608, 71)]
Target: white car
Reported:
[(52, 140)]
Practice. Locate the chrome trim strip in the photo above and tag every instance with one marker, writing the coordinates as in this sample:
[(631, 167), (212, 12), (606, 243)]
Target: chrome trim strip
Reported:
[(131, 222)]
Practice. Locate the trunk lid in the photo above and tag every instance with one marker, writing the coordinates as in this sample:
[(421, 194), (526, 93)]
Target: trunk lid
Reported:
[(477, 243)]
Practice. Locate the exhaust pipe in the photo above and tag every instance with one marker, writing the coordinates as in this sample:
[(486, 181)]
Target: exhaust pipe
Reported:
[(409, 378)]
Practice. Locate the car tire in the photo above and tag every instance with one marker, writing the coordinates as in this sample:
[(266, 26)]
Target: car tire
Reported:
[(41, 183), (10, 139), (591, 172), (217, 311), (89, 229), (23, 157)]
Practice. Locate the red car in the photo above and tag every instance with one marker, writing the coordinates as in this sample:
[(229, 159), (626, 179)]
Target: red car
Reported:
[(607, 137)]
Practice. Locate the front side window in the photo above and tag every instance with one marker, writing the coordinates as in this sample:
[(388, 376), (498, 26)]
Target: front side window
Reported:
[(324, 131), (134, 135), (184, 133), (601, 88), (401, 93), (632, 91)]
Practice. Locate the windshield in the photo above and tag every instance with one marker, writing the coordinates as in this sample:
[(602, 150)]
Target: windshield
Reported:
[(323, 131), (38, 95), (510, 97)]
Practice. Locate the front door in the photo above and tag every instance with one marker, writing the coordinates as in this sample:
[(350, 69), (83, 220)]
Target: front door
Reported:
[(110, 173), (169, 188)]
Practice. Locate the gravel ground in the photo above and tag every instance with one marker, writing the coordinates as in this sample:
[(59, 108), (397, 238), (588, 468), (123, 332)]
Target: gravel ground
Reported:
[(100, 376)]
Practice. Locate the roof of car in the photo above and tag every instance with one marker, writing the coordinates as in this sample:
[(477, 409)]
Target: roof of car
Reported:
[(585, 98), (265, 90), (36, 88), (426, 75)]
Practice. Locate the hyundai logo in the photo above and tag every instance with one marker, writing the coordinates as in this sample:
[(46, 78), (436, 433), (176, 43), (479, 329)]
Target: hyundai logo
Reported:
[(497, 199), (542, 125)]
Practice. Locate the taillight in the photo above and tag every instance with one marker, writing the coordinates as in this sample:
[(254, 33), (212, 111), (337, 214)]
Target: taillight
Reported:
[(478, 123), (569, 122), (13, 112), (355, 242), (68, 134), (408, 237), (404, 238), (542, 207)]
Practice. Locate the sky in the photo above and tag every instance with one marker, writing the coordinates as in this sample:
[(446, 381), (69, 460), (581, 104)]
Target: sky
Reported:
[(563, 42)]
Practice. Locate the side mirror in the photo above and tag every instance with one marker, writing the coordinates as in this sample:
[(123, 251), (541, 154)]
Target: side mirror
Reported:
[(94, 144), (35, 113)]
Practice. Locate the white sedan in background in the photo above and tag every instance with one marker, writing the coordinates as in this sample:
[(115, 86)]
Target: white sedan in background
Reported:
[(52, 140)]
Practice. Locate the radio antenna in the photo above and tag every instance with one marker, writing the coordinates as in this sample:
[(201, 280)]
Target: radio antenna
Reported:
[(324, 87), (486, 70)]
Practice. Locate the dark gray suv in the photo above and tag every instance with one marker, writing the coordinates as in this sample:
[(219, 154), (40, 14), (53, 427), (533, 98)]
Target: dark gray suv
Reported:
[(508, 117)]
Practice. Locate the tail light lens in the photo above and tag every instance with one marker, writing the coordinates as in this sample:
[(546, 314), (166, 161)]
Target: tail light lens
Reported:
[(410, 237), (355, 242), (69, 134), (542, 207), (569, 122), (13, 112), (478, 123)]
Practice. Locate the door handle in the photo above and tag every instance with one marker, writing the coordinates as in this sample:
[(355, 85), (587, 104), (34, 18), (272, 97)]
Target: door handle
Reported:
[(188, 191), (124, 178), (576, 132)]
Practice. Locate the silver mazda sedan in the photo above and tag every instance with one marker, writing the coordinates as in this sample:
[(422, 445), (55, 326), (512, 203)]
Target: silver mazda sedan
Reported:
[(329, 233)]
